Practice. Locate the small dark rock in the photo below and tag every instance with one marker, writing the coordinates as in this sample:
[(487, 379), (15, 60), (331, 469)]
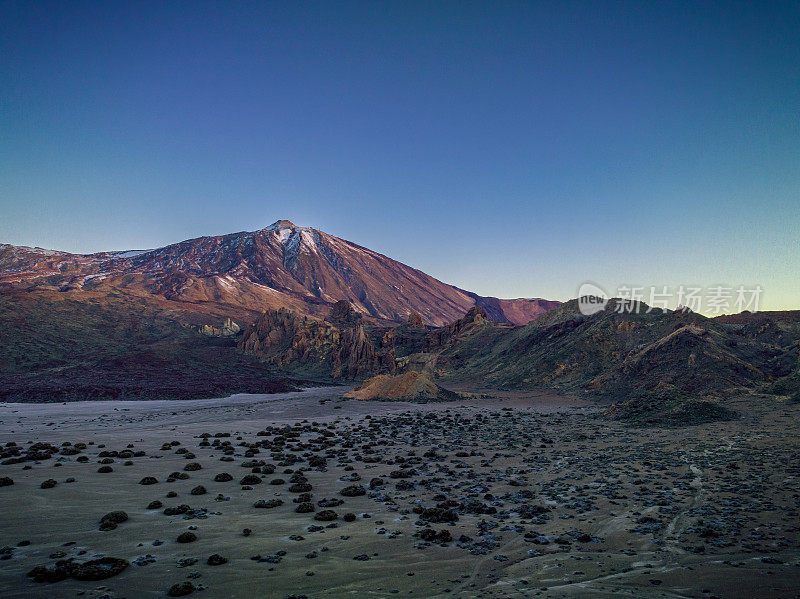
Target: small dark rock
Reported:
[(326, 515), (181, 589), (216, 560), (112, 519)]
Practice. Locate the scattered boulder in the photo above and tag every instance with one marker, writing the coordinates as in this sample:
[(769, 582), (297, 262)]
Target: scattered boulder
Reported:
[(43, 574), (112, 519), (177, 510), (96, 569), (250, 479), (304, 508), (99, 569), (437, 514), (181, 589), (326, 516), (353, 491)]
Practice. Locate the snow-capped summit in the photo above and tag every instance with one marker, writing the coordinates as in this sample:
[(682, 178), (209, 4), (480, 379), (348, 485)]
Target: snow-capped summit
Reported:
[(281, 266)]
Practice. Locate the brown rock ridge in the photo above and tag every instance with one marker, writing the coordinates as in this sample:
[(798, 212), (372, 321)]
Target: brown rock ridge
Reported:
[(346, 346), (319, 347)]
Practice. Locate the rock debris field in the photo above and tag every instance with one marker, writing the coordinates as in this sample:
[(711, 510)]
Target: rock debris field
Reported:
[(308, 495)]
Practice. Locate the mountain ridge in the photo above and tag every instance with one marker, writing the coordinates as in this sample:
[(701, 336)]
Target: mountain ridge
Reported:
[(672, 367), (281, 265)]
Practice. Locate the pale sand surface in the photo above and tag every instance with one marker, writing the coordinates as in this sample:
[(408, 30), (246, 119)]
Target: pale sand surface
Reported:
[(668, 513)]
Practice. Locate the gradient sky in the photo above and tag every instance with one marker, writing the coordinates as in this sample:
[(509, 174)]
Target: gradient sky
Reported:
[(513, 149)]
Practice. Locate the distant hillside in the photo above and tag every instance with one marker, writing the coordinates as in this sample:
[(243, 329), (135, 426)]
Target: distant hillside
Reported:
[(648, 360), (53, 348)]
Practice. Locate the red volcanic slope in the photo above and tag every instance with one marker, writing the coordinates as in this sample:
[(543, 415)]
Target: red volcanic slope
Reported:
[(283, 265)]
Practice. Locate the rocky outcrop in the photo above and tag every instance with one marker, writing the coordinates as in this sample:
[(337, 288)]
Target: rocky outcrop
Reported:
[(343, 350), (347, 346), (474, 320), (228, 329), (409, 386), (343, 314), (283, 337), (356, 356), (415, 320)]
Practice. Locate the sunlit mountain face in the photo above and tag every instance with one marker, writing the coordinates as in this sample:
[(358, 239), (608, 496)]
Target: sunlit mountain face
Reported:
[(280, 266)]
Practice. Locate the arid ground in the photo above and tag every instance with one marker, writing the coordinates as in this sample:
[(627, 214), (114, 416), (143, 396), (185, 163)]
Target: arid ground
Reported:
[(513, 495)]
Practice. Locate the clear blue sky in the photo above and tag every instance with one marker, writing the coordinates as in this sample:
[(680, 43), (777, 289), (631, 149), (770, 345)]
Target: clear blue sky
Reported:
[(514, 149)]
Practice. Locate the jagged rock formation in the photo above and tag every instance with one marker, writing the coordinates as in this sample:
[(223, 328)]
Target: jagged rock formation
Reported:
[(283, 337), (474, 320), (228, 329), (319, 347), (356, 356), (345, 346), (343, 314)]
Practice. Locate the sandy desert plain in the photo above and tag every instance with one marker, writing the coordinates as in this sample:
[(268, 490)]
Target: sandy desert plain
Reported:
[(513, 495)]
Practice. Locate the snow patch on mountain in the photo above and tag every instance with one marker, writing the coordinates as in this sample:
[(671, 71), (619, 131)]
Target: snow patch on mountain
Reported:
[(226, 282), (42, 251), (129, 253), (293, 263), (309, 240)]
